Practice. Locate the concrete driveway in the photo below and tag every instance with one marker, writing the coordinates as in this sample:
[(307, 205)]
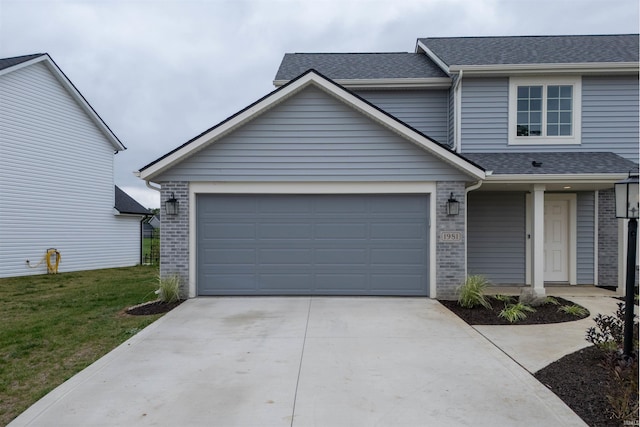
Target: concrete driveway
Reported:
[(304, 361)]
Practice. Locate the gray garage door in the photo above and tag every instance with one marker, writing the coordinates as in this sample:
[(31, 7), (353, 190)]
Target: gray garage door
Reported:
[(312, 244)]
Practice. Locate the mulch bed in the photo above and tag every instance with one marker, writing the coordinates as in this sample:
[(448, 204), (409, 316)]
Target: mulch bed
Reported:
[(581, 381), (152, 307), (547, 313)]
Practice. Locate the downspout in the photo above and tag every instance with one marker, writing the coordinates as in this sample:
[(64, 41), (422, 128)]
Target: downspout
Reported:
[(466, 230), (457, 114)]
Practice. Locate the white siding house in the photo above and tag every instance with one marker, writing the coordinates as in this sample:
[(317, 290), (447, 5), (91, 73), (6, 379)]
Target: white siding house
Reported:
[(56, 175)]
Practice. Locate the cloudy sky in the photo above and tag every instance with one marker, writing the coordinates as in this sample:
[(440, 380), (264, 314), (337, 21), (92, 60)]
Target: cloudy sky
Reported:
[(161, 72)]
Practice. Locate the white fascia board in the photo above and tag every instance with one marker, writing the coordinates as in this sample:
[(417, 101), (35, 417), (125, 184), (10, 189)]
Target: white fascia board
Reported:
[(575, 68), (389, 83), (435, 58), (564, 178), (284, 92), (75, 94)]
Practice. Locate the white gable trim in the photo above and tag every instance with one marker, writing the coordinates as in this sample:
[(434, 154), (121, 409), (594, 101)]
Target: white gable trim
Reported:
[(435, 58), (293, 87), (75, 94)]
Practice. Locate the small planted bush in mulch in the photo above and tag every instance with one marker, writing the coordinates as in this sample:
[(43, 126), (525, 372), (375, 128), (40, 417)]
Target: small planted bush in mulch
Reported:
[(153, 307), (546, 313)]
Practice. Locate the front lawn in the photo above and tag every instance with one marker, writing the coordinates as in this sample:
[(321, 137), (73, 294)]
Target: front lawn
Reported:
[(53, 326)]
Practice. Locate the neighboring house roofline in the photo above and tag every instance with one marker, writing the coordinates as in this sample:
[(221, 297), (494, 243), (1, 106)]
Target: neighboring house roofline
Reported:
[(127, 205), (67, 84), (155, 168)]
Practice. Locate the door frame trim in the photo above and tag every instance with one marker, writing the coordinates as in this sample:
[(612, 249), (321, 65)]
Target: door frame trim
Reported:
[(572, 246), (426, 188)]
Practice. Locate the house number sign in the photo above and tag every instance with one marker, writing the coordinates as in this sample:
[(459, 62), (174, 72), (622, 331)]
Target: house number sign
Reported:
[(450, 236)]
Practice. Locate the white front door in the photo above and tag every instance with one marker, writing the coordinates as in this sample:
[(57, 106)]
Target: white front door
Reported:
[(556, 240)]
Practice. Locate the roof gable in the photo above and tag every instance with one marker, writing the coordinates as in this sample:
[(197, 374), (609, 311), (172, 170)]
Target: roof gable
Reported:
[(460, 52), (9, 65), (312, 77)]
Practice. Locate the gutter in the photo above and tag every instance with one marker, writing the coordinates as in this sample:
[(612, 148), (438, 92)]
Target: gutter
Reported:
[(472, 187)]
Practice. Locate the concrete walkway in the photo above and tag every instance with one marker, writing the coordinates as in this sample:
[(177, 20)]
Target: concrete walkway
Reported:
[(536, 346), (304, 362)]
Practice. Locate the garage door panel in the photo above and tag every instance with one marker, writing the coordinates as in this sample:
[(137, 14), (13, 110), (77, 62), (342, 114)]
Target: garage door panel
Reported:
[(312, 244), (327, 230), (282, 257), (412, 230), (284, 230), (341, 256), (229, 256), (227, 230)]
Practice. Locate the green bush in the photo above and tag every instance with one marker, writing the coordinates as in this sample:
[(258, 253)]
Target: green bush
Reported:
[(169, 288), (608, 334), (574, 310), (471, 292), (515, 312), (551, 300)]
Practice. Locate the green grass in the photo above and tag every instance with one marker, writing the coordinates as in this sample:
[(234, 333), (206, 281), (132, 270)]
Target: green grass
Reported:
[(53, 326)]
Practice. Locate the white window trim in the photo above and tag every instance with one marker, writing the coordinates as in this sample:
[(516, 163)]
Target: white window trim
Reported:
[(514, 82)]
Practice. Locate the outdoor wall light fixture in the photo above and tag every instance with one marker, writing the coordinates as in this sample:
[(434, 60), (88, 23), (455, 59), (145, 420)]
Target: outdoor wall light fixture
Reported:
[(627, 207), (453, 206), (171, 205)]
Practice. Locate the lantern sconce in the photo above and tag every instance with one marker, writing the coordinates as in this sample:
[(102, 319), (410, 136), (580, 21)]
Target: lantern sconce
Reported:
[(453, 206), (171, 205)]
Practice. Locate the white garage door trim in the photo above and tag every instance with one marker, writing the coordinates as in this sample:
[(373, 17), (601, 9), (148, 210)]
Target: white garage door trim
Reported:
[(196, 188)]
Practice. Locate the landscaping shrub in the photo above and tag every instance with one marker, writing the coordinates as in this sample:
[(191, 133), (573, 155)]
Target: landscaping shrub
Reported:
[(471, 292), (169, 288), (574, 310), (515, 312)]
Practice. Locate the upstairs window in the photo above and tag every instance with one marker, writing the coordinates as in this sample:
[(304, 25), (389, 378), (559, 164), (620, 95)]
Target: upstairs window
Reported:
[(544, 111)]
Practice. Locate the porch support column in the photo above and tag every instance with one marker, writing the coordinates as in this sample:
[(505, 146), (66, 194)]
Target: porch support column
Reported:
[(537, 240)]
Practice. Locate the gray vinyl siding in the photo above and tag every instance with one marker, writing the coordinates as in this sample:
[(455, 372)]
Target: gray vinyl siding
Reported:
[(485, 114), (425, 110), (610, 110), (610, 115), (312, 136), (585, 238), (496, 236)]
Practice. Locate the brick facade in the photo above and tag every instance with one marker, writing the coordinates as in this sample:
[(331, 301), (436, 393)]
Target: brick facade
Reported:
[(174, 235), (450, 255), (607, 239)]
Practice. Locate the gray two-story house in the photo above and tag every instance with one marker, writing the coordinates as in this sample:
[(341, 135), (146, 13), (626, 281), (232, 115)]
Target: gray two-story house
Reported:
[(402, 173)]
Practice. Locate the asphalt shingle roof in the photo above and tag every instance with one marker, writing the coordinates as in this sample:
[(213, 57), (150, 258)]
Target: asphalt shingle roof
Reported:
[(552, 163), (125, 204), (534, 49), (359, 65), (10, 62)]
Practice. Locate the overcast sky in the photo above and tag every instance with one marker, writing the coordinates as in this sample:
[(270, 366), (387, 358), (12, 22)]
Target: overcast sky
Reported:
[(161, 72)]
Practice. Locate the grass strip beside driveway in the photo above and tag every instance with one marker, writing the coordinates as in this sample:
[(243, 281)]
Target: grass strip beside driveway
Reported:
[(53, 326)]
